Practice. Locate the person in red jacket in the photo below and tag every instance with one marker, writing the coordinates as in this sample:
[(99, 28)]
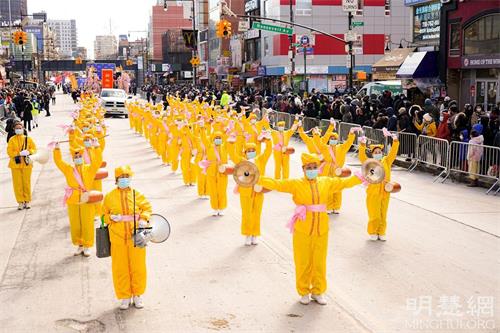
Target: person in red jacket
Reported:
[(443, 131)]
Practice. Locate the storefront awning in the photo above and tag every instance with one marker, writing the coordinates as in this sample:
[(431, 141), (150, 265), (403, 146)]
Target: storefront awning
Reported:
[(391, 61), (419, 65)]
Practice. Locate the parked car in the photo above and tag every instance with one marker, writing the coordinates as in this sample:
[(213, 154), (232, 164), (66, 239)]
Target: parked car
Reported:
[(378, 87), (113, 101)]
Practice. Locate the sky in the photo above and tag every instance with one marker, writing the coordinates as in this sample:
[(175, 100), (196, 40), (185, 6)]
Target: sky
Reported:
[(98, 17)]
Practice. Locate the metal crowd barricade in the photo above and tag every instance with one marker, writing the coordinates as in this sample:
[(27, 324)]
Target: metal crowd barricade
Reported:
[(325, 123), (375, 136), (309, 123), (287, 118), (343, 130), (463, 159), (407, 145), (273, 117), (434, 152)]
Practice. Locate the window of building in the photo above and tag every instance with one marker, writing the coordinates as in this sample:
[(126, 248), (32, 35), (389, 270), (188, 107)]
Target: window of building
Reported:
[(267, 47), (303, 7), (481, 36), (455, 39), (359, 12), (387, 8)]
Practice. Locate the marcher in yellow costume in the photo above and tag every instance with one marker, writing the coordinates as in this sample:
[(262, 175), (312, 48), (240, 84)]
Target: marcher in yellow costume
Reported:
[(252, 198), (89, 154), (201, 155), (19, 148), (187, 150), (80, 178), (310, 224), (377, 199), (281, 139), (216, 180), (128, 261), (334, 155)]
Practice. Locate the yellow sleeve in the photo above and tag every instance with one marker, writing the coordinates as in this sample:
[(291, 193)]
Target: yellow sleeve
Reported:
[(327, 134), (60, 163), (284, 185), (338, 184), (264, 157), (97, 161), (31, 146), (393, 152), (362, 153), (11, 150), (290, 132), (432, 130), (106, 210), (303, 135), (234, 151), (418, 126), (144, 206), (344, 148)]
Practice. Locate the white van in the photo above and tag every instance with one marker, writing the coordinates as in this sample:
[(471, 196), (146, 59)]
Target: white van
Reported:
[(378, 87)]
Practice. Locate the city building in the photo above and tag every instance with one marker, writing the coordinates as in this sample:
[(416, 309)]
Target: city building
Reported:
[(105, 47), (177, 16), (470, 34), (12, 11), (66, 36), (81, 52)]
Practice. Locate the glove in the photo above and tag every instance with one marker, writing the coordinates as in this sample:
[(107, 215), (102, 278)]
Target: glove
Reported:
[(115, 218), (142, 224), (299, 123), (332, 122), (386, 132), (362, 140), (395, 137), (142, 238), (24, 153), (355, 129), (95, 142)]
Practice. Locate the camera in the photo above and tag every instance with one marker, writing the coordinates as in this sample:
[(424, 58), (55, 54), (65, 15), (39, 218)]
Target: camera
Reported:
[(17, 159)]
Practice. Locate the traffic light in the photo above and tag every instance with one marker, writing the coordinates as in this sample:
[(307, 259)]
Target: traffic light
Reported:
[(129, 62), (24, 38), (195, 61), (19, 37), (223, 29)]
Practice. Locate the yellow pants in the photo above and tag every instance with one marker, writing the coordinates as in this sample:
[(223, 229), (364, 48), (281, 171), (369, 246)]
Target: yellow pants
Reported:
[(281, 165), (334, 201), (129, 269), (21, 180), (81, 222), (251, 209), (217, 189), (188, 170), (309, 253), (174, 156), (377, 206), (201, 182), (473, 168)]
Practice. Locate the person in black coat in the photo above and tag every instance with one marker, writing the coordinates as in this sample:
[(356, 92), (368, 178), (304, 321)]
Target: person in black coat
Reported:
[(27, 117)]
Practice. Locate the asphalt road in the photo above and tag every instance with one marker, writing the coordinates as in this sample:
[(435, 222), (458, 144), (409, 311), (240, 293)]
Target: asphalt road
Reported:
[(440, 266)]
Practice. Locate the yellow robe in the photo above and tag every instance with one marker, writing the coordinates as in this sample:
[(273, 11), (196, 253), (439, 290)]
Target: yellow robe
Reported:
[(377, 199), (81, 216), (21, 173), (281, 161), (310, 238), (128, 262)]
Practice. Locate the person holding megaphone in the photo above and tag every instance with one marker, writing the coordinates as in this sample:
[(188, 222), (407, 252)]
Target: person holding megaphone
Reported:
[(19, 148), (125, 211)]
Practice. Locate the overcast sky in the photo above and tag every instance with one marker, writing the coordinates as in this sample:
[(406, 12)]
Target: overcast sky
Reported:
[(93, 17)]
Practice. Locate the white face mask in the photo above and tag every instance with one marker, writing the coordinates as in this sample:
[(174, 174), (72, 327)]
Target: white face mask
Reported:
[(18, 131), (281, 128)]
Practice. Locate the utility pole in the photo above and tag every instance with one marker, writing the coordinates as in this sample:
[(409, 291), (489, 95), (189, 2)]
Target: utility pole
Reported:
[(195, 44), (306, 81), (292, 49), (351, 56), (24, 67)]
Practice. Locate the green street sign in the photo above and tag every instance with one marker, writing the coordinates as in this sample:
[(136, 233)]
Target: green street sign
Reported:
[(272, 28), (358, 24)]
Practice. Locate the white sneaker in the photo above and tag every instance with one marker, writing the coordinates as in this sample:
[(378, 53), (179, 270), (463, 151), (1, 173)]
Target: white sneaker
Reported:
[(305, 300), (27, 205), (255, 241), (336, 212), (125, 304), (248, 241), (79, 250), (329, 212), (320, 299), (21, 206), (215, 213), (138, 303), (86, 252), (221, 213), (382, 238), (373, 237)]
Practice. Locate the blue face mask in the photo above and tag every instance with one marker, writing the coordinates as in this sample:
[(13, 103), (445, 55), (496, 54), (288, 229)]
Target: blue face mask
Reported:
[(334, 142), (251, 155), (87, 144), (218, 142), (78, 161), (378, 157), (85, 129), (312, 174), (123, 182)]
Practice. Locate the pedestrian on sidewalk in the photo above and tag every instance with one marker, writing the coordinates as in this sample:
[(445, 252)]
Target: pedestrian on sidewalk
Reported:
[(35, 111), (19, 147), (474, 154), (128, 252), (26, 114)]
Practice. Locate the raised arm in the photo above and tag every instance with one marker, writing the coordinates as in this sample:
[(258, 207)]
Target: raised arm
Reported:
[(338, 184), (284, 185), (393, 153), (58, 160), (362, 153), (348, 143)]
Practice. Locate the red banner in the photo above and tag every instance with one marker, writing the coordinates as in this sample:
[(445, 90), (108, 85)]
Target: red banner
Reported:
[(107, 78)]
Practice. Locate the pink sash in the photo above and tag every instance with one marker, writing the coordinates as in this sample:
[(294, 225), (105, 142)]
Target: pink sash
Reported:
[(129, 218), (279, 145), (86, 156), (68, 191), (300, 214)]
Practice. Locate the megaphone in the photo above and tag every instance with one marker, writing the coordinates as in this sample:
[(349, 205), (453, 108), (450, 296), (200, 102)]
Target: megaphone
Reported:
[(41, 156), (159, 228), (373, 171)]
